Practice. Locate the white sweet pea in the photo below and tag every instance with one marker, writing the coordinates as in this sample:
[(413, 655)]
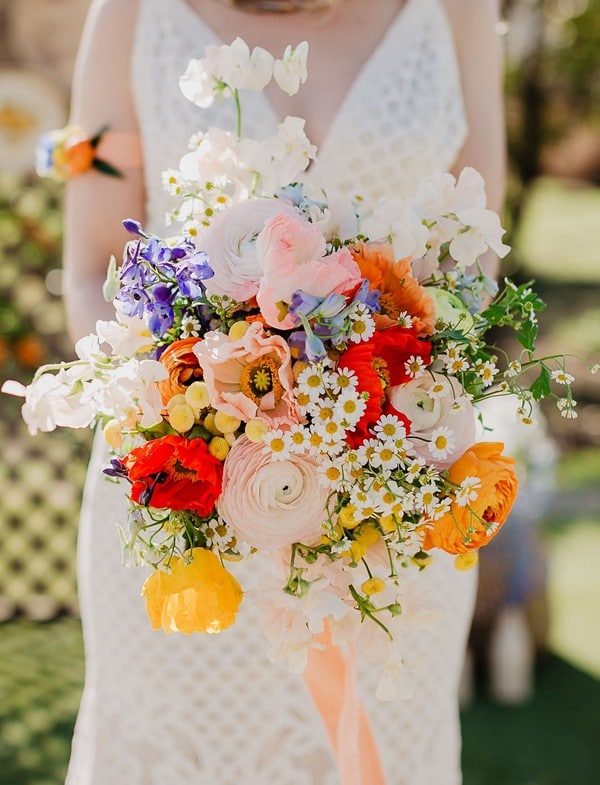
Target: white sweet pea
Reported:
[(50, 402), (291, 152), (226, 68), (396, 221), (290, 72), (125, 336), (483, 231)]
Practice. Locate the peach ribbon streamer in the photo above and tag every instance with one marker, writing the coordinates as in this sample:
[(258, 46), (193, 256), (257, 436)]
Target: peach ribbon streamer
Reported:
[(331, 681), (121, 149)]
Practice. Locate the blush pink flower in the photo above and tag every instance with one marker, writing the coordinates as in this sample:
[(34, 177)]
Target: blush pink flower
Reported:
[(271, 504), (292, 255), (249, 377)]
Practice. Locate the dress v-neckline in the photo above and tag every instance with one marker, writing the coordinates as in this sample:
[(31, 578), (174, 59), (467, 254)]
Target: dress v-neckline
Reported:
[(399, 20)]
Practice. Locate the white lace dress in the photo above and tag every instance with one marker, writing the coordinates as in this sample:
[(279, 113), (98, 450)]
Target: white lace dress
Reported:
[(211, 710)]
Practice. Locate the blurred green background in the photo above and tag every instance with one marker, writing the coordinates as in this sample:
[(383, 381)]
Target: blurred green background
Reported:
[(553, 216)]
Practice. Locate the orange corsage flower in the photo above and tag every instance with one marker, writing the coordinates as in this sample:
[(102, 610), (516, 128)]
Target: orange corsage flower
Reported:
[(68, 152), (199, 595), (468, 527), (182, 366), (399, 290)]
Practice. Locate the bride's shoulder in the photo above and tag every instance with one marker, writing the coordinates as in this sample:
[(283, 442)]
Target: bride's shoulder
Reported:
[(469, 18), (105, 14)]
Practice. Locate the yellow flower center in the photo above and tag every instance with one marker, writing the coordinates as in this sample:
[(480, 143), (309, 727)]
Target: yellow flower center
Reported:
[(261, 377)]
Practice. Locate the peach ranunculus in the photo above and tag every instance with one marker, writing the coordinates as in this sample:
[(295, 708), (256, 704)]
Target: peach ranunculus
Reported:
[(442, 418), (196, 596), (230, 243), (292, 254), (399, 291), (271, 504), (469, 527), (182, 366), (249, 377)]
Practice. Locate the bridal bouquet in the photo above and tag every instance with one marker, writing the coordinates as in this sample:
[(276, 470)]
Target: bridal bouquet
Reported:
[(297, 374)]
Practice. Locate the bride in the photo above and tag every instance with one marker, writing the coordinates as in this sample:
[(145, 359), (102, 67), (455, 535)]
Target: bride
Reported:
[(397, 89)]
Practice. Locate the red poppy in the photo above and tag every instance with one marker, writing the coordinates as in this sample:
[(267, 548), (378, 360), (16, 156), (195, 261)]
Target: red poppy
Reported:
[(175, 473), (379, 363)]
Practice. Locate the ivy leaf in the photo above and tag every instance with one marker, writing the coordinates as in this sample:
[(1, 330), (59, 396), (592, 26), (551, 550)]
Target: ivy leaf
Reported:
[(527, 335), (541, 386)]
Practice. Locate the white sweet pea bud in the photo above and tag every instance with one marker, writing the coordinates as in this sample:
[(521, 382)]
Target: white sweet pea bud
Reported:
[(290, 72), (241, 70)]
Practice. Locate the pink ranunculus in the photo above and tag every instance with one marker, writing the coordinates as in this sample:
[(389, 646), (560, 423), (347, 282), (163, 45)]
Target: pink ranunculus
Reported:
[(230, 243), (250, 377), (291, 252), (271, 504), (431, 402)]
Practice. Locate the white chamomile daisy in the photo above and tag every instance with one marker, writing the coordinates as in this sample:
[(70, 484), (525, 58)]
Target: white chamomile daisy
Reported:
[(414, 367), (330, 474), (191, 230), (299, 439), (172, 182), (414, 469), (486, 370), (456, 365), (467, 492), (560, 376), (442, 443), (385, 456), (310, 381), (342, 380), (440, 509), (362, 325), (426, 498), (389, 426), (404, 319), (349, 408), (277, 445), (514, 369), (364, 502), (366, 451), (566, 407), (190, 327)]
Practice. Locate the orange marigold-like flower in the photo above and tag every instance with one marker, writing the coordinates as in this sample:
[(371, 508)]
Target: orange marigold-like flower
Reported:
[(399, 290), (463, 528), (183, 368), (198, 595)]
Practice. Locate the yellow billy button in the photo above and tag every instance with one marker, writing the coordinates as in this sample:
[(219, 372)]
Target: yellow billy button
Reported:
[(218, 448), (373, 586), (209, 424), (226, 423), (196, 396), (367, 535), (176, 400), (181, 417), (113, 434), (348, 518), (256, 429), (466, 561)]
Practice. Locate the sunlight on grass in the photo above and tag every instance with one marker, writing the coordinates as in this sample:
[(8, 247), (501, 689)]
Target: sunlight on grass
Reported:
[(574, 590), (560, 232)]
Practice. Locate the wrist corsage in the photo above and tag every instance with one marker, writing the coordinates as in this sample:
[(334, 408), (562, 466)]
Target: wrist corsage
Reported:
[(70, 151)]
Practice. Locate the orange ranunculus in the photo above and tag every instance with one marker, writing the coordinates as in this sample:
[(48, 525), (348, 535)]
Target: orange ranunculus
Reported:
[(199, 596), (78, 157), (399, 290), (462, 529), (183, 368)]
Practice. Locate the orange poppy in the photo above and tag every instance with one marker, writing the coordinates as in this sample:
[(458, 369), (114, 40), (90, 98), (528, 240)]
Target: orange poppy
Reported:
[(399, 291)]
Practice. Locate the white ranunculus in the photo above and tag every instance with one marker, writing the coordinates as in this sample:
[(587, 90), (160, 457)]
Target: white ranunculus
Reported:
[(230, 243), (290, 72), (436, 401)]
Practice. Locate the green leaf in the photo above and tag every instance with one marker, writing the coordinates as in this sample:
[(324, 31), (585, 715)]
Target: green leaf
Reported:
[(541, 386), (527, 335), (106, 168)]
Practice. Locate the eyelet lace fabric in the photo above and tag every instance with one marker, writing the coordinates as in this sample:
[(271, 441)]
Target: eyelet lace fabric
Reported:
[(212, 710)]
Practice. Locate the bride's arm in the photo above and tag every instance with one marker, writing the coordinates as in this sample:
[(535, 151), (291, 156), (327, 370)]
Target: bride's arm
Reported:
[(96, 203), (481, 62)]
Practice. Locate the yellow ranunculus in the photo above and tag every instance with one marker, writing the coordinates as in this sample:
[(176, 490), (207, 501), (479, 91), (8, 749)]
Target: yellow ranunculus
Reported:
[(201, 596)]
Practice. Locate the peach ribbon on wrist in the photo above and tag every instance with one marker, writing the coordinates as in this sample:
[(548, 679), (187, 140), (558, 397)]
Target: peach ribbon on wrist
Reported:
[(331, 680)]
